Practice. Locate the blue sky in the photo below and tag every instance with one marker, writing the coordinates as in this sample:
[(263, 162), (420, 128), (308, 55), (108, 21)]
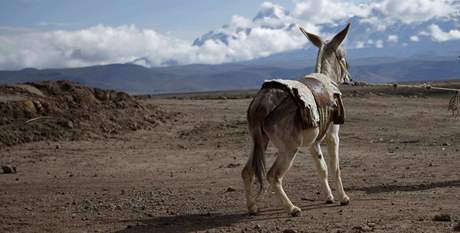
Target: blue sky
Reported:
[(185, 19)]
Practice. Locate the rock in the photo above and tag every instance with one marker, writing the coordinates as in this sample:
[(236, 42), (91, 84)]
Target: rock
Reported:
[(38, 106), (233, 165), (69, 124), (442, 218), (30, 106), (8, 169), (364, 228), (231, 189), (289, 231), (258, 227)]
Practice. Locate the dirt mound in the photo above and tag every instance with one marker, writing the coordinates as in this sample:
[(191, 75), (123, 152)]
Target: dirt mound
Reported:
[(63, 110)]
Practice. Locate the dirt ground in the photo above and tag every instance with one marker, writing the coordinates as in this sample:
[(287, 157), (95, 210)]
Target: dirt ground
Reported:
[(399, 159)]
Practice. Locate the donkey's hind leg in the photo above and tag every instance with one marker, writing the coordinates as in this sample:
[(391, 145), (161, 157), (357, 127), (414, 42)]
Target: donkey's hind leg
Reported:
[(275, 176), (248, 177), (332, 139), (321, 167), (259, 146)]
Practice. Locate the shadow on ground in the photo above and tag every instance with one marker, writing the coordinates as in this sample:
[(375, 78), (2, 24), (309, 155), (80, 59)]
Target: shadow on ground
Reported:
[(385, 188), (203, 222), (185, 223)]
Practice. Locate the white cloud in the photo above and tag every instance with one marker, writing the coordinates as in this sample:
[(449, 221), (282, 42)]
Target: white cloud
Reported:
[(437, 34), (388, 12), (381, 14), (105, 45), (272, 16), (328, 11), (410, 11), (95, 45), (414, 38), (377, 23), (240, 21), (393, 38), (379, 44), (360, 45)]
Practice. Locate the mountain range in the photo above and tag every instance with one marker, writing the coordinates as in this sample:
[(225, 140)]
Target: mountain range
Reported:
[(138, 79)]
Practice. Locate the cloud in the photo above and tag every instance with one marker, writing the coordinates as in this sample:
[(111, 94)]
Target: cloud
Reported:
[(95, 45), (329, 11), (379, 44), (410, 11), (240, 21), (272, 16), (414, 38), (437, 34), (104, 45), (360, 45), (393, 38), (389, 12)]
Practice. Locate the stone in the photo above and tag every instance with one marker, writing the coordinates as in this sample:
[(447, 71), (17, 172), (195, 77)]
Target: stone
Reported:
[(289, 231), (442, 218), (231, 189), (8, 169)]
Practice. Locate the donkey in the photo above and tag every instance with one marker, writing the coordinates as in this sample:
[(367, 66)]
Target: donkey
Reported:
[(274, 115)]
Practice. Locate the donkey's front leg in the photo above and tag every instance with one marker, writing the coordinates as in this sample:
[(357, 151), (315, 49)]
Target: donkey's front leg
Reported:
[(332, 139), (275, 177), (321, 167)]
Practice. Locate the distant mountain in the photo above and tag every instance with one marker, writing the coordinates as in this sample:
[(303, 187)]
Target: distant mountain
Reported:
[(138, 79)]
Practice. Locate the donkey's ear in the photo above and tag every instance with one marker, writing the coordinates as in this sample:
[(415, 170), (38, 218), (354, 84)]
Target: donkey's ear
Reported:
[(338, 39), (316, 40)]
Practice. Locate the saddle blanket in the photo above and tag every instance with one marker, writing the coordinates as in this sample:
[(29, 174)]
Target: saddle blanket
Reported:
[(312, 114), (301, 91)]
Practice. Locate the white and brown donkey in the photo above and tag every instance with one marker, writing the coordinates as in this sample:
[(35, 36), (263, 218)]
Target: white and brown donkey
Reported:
[(275, 114)]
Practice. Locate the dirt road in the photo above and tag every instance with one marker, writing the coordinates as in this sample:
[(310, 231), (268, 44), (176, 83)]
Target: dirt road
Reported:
[(400, 164)]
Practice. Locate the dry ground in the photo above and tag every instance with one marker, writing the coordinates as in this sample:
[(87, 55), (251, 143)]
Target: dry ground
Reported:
[(399, 158)]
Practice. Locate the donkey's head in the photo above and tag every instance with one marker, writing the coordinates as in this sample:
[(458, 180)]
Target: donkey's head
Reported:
[(331, 59)]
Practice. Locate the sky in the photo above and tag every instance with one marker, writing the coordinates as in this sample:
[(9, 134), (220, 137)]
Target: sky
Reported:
[(68, 33), (183, 19)]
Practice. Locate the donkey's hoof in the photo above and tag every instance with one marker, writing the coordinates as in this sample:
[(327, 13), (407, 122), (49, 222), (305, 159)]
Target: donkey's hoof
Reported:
[(296, 212), (345, 201), (330, 199)]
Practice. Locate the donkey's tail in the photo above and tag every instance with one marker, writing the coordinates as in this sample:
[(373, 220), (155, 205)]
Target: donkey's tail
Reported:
[(257, 159)]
